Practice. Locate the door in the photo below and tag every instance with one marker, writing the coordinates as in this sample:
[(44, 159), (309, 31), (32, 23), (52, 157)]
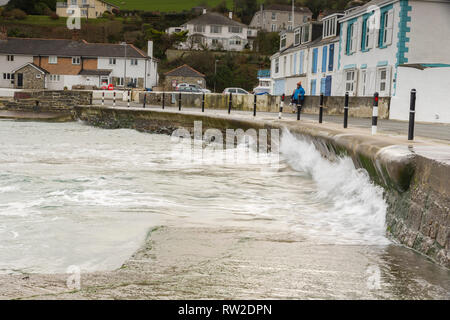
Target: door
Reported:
[(363, 82), (20, 80)]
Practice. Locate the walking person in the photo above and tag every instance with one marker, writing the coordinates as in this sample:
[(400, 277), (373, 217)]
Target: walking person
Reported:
[(298, 96)]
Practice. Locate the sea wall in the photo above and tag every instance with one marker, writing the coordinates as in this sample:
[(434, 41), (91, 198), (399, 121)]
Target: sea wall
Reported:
[(359, 107), (416, 186)]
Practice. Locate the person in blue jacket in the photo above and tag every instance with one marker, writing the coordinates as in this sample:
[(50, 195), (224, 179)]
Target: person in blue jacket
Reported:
[(299, 95)]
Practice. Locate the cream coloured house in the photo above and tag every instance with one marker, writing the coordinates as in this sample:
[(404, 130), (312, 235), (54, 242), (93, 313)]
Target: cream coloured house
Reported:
[(88, 8)]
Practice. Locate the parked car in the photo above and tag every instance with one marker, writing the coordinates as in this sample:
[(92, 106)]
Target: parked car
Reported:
[(188, 89), (187, 85), (235, 91)]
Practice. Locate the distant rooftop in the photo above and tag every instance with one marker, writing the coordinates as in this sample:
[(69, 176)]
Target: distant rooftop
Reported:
[(284, 7), (214, 18)]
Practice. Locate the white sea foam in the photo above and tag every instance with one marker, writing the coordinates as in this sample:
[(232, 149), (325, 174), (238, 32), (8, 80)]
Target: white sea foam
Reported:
[(358, 210)]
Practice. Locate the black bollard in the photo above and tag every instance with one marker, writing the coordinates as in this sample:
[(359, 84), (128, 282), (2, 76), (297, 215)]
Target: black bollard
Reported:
[(163, 100), (281, 106), (203, 102), (114, 99), (103, 98), (128, 93), (254, 105), (179, 102), (321, 108), (346, 110), (412, 112), (230, 103), (375, 113), (145, 100), (299, 109)]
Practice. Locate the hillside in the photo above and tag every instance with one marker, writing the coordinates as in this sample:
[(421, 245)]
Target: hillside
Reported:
[(165, 5)]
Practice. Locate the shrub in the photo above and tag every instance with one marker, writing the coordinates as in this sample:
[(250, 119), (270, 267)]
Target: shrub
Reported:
[(54, 16), (18, 14)]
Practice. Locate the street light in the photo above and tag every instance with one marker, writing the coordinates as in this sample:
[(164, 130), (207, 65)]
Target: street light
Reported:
[(215, 73)]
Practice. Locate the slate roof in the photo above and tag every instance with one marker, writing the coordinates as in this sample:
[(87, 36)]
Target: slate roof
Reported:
[(97, 72), (67, 48), (284, 7), (184, 71), (30, 64), (213, 18)]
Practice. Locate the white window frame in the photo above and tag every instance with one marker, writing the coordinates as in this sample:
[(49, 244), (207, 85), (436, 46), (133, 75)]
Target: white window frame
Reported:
[(382, 82), (234, 29), (215, 29), (350, 84), (274, 27), (10, 58), (134, 62), (53, 60), (283, 41), (277, 65), (199, 28), (112, 61), (274, 16), (76, 60), (297, 37), (54, 78)]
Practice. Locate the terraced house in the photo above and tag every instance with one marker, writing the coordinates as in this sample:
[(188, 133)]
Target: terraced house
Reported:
[(213, 30), (393, 46), (307, 54), (60, 64), (385, 46)]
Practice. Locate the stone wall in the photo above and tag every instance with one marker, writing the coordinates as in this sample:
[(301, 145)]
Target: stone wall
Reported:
[(48, 101), (359, 107)]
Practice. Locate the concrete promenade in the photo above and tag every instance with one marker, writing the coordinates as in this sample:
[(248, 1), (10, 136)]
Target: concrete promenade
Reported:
[(422, 130)]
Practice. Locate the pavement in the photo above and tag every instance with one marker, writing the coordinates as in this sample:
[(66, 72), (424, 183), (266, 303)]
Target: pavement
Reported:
[(433, 131)]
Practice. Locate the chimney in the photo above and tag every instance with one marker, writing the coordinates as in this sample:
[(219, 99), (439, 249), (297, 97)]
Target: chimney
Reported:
[(3, 33), (150, 49), (230, 14), (204, 10), (75, 35)]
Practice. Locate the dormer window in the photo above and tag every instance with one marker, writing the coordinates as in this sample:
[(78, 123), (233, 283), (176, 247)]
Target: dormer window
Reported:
[(297, 36), (329, 27), (305, 33), (283, 41)]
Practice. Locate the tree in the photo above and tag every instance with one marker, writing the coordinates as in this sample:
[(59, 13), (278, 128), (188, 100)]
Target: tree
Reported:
[(267, 42), (32, 6), (163, 41), (246, 9)]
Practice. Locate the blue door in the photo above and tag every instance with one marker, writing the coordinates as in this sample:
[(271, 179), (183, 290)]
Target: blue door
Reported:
[(328, 86)]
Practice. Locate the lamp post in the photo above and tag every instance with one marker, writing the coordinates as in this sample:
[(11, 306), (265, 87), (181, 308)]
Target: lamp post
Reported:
[(215, 74)]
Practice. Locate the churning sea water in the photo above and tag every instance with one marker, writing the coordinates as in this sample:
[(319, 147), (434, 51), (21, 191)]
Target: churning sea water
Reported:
[(72, 194)]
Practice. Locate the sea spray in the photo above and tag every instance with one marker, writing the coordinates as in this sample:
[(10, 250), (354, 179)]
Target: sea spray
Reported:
[(358, 210)]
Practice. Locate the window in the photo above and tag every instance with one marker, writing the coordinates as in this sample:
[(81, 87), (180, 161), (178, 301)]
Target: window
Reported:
[(54, 77), (382, 80), (112, 61), (283, 41), (329, 27), (274, 16), (216, 29), (199, 28), (215, 42), (315, 56), (386, 27), (350, 81), (297, 37), (235, 42), (234, 29), (73, 2), (290, 17), (8, 76), (134, 62), (53, 59), (10, 58), (305, 34), (84, 12), (313, 87), (274, 27), (284, 65), (305, 19), (351, 38), (277, 65), (76, 60), (120, 81)]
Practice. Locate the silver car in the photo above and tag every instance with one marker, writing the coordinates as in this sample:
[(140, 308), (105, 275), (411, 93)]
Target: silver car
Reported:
[(235, 91)]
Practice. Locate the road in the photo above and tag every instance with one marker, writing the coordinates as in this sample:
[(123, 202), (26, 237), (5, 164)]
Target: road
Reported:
[(426, 130)]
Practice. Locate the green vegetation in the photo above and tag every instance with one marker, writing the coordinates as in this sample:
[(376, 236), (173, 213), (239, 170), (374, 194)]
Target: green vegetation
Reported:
[(166, 5)]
